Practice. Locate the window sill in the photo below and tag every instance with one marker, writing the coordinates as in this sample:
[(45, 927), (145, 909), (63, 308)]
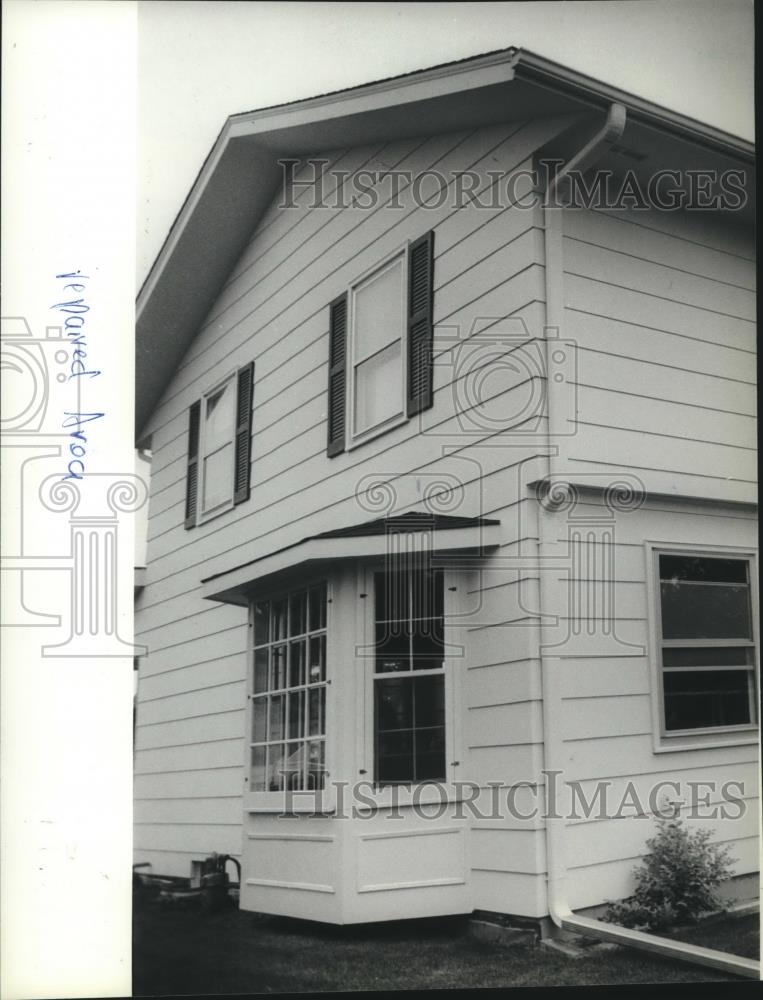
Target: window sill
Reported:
[(375, 432), (707, 740), (210, 515)]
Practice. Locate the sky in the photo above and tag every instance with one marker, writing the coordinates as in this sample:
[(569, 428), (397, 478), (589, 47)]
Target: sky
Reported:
[(199, 62)]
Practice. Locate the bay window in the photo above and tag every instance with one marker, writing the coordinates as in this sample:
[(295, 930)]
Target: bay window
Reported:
[(409, 676), (288, 718)]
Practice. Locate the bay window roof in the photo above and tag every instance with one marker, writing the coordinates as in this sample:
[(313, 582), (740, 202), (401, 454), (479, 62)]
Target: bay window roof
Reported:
[(438, 533)]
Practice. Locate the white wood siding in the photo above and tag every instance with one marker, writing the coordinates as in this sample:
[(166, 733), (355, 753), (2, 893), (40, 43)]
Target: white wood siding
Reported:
[(274, 310), (607, 701), (662, 308)]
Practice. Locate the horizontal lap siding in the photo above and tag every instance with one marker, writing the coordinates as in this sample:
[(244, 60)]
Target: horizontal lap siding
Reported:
[(190, 718), (663, 315), (607, 718)]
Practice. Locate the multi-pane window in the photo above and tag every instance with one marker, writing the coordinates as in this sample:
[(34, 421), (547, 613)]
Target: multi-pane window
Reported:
[(707, 647), (409, 676), (289, 692)]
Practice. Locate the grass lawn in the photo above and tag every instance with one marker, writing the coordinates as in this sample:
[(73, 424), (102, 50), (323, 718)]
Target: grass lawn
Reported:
[(738, 937), (177, 951)]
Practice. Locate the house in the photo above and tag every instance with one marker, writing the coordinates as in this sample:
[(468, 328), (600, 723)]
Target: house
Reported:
[(448, 383)]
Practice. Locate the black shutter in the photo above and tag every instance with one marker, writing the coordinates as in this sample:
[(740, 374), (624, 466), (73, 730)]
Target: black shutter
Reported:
[(192, 471), (337, 375), (420, 302), (243, 459)]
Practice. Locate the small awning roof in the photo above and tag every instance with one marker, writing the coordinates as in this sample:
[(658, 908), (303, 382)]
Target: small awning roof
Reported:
[(439, 533)]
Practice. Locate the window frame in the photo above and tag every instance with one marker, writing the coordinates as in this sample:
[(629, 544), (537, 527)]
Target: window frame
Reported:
[(712, 736), (416, 791), (203, 515), (298, 800), (356, 438)]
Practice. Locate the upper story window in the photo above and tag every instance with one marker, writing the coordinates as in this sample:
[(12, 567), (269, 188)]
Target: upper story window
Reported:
[(706, 642), (288, 720), (219, 447), (409, 677), (380, 348)]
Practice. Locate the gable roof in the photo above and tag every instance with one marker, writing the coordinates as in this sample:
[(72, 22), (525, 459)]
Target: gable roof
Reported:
[(241, 173)]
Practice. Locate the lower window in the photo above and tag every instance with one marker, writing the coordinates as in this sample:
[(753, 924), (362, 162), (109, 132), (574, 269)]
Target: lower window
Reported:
[(288, 717), (707, 646), (409, 677)]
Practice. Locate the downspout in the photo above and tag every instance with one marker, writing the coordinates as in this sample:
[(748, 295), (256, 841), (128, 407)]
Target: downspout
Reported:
[(554, 762)]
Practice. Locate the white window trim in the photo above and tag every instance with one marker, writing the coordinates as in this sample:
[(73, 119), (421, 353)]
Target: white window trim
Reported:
[(308, 801), (355, 439), (726, 736), (424, 792), (202, 515)]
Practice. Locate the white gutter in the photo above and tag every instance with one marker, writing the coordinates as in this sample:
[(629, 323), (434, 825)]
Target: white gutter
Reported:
[(554, 756)]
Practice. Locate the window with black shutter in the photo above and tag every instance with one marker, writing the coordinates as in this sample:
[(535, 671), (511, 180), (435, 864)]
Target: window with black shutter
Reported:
[(219, 447), (420, 300), (380, 347), (337, 374)]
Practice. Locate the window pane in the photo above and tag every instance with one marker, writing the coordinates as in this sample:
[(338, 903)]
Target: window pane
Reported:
[(297, 663), (429, 701), (279, 619), (394, 704), (318, 608), (296, 714), (257, 778), (392, 650), (260, 719), (394, 757), (316, 764), (278, 677), (427, 596), (703, 568), (699, 699), (218, 477), (294, 765), (378, 310), (379, 388), (427, 648), (298, 617), (705, 611), (316, 710), (317, 670), (275, 767), (260, 670), (261, 623), (277, 717), (706, 656), (391, 596), (430, 754), (218, 426)]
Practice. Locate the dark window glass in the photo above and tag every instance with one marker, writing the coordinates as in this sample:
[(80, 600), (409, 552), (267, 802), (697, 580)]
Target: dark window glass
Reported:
[(706, 698), (703, 569), (705, 611), (410, 729)]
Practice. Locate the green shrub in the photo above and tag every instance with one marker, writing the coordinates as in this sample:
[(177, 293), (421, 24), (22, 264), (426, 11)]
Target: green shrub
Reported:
[(676, 881)]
